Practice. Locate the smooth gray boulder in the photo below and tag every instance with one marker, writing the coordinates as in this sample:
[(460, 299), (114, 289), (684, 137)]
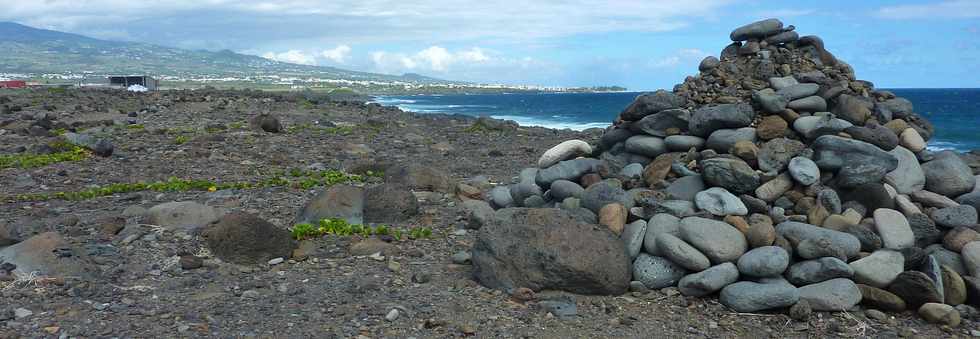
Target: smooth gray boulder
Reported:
[(748, 296), (561, 189), (832, 295), (98, 146), (656, 272), (717, 240), (685, 188), (798, 91), (817, 270), (878, 269), (633, 235), (908, 176), (645, 145), (570, 170), (847, 244), (683, 143), (757, 30), (657, 225), (724, 139), (769, 101), (708, 281), (762, 262), (809, 104), (949, 175), (894, 229), (500, 197), (778, 83), (681, 253), (812, 127), (708, 119), (526, 186)]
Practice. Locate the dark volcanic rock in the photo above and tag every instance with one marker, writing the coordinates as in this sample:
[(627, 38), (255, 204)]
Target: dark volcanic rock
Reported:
[(712, 118), (243, 238), (915, 288), (857, 162), (548, 249), (651, 103), (732, 174), (389, 204), (658, 123), (266, 122)]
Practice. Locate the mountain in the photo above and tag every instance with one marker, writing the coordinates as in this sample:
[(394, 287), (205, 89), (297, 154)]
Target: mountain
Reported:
[(25, 49)]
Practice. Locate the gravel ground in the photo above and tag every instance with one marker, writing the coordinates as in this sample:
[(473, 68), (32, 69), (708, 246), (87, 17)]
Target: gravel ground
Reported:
[(415, 291)]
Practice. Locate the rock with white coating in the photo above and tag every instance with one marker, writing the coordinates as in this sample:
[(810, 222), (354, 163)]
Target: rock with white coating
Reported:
[(564, 151)]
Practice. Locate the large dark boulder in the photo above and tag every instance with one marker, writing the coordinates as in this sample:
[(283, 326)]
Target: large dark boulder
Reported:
[(420, 177), (389, 204), (651, 103), (712, 118), (549, 249), (856, 162), (246, 239)]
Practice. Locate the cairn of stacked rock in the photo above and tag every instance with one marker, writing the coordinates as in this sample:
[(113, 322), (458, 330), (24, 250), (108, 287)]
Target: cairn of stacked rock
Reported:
[(772, 177)]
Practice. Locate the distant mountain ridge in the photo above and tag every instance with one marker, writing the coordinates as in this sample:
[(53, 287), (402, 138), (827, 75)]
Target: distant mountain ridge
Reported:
[(25, 49)]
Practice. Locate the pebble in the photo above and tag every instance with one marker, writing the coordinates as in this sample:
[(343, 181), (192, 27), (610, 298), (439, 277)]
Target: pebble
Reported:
[(393, 315), (766, 261), (276, 261), (462, 258), (20, 313)]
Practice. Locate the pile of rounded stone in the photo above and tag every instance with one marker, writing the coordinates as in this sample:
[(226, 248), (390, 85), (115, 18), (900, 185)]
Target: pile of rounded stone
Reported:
[(780, 181)]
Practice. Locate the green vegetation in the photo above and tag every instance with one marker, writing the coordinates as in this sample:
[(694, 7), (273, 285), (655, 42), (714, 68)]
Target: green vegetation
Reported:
[(64, 152), (305, 180), (341, 227), (180, 139), (136, 127)]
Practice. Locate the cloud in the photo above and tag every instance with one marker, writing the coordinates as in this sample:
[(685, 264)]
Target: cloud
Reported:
[(356, 20), (433, 58), (340, 54), (685, 56), (291, 56), (954, 9)]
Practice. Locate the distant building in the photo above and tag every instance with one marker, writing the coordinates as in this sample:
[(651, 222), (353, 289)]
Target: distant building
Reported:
[(128, 80), (13, 84)]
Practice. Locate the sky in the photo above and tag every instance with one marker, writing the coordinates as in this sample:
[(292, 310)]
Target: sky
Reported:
[(641, 45)]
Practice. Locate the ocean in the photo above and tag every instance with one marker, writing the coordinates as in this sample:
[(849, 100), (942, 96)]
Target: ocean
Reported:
[(954, 112)]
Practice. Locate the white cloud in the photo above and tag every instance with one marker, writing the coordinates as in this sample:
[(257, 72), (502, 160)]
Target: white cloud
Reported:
[(685, 56), (374, 20), (954, 9), (291, 56), (339, 54), (433, 58)]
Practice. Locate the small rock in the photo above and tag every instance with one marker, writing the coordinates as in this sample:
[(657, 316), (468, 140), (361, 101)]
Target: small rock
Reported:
[(800, 311), (940, 314), (462, 258)]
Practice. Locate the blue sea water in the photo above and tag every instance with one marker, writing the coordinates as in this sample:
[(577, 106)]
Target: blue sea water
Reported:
[(954, 112)]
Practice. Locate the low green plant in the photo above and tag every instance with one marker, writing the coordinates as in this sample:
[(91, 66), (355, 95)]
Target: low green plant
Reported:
[(180, 140), (136, 127), (340, 227), (173, 184), (238, 125), (26, 161)]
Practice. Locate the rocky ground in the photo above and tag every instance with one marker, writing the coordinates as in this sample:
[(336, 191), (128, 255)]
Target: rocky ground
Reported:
[(136, 279)]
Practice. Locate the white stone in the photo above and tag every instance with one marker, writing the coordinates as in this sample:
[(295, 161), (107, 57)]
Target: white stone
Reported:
[(894, 229), (564, 151), (911, 139), (905, 205), (804, 170), (878, 269)]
